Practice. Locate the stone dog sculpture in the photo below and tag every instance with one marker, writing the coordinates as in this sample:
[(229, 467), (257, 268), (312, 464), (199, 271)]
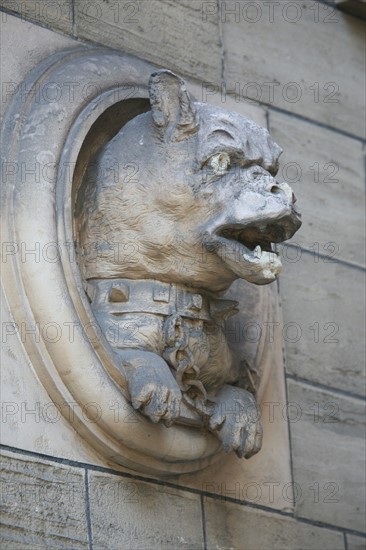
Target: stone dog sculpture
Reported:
[(192, 205)]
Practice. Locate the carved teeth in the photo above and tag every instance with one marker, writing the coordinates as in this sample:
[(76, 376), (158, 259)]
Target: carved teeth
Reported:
[(257, 251)]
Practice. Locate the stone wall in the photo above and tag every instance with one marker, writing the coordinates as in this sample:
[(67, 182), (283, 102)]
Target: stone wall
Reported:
[(299, 68)]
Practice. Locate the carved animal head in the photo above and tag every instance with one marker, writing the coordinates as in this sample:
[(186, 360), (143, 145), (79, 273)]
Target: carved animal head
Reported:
[(185, 193)]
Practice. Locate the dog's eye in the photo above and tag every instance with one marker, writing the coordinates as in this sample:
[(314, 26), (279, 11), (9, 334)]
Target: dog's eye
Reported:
[(219, 163)]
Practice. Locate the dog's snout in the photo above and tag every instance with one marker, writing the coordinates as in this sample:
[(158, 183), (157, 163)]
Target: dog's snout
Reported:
[(282, 189), (275, 189)]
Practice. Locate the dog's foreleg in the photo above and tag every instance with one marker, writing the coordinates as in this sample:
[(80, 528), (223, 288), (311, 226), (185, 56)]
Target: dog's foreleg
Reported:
[(235, 420), (151, 384)]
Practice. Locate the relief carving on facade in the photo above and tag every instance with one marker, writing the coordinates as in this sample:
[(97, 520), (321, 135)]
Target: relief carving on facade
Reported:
[(174, 210)]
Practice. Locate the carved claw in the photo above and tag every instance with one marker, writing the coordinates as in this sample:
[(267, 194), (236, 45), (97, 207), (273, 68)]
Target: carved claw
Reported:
[(235, 421), (154, 390)]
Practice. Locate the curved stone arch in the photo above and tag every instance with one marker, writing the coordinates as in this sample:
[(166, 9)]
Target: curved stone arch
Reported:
[(48, 135)]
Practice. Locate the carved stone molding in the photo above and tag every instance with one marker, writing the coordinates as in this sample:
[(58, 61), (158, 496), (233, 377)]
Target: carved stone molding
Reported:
[(76, 102)]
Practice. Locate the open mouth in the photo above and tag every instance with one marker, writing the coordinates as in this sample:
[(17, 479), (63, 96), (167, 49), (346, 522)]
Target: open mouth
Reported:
[(249, 250), (251, 238)]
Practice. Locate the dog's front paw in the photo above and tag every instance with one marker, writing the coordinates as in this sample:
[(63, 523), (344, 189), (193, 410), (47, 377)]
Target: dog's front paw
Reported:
[(235, 420), (154, 390)]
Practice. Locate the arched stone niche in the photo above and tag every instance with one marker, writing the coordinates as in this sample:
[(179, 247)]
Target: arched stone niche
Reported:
[(81, 99)]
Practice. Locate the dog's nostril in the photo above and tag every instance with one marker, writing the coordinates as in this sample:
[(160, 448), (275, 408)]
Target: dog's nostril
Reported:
[(294, 199), (275, 189)]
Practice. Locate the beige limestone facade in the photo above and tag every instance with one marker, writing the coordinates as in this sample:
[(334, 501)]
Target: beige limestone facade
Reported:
[(297, 69)]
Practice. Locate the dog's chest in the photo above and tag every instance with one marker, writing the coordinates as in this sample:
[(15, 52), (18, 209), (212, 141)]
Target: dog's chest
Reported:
[(181, 325)]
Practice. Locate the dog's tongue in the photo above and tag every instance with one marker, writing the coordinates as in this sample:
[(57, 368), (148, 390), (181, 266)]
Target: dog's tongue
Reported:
[(256, 266)]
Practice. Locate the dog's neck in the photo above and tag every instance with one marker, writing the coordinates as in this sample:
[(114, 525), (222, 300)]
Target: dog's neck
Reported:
[(119, 296)]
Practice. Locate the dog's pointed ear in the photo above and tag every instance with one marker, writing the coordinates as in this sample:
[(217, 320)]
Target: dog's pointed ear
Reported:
[(172, 108)]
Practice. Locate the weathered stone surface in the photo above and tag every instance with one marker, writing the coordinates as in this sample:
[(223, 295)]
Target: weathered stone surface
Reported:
[(233, 526), (327, 433), (35, 45), (57, 15), (320, 78), (323, 310), (132, 514), (44, 440), (264, 478), (327, 173), (204, 237), (29, 419), (214, 95), (355, 543), (42, 504), (57, 439), (21, 391), (164, 32)]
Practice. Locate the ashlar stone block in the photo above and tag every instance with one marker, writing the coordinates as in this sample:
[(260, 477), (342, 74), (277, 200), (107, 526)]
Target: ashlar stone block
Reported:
[(327, 173), (230, 525), (324, 323), (132, 514), (164, 32), (327, 433), (306, 58), (42, 504), (355, 543), (56, 15)]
